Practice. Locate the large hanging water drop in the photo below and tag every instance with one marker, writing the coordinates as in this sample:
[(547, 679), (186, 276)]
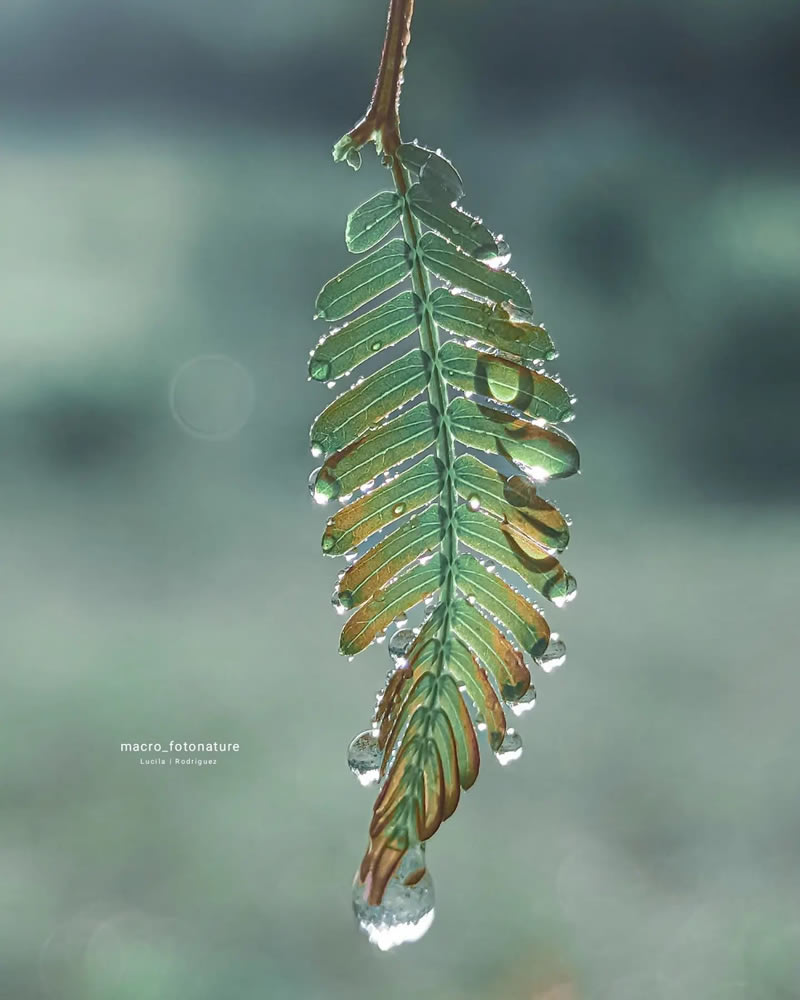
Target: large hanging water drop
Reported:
[(570, 592), (319, 369), (400, 643), (406, 911), (364, 758), (525, 703), (342, 600), (510, 749), (554, 655), (322, 486)]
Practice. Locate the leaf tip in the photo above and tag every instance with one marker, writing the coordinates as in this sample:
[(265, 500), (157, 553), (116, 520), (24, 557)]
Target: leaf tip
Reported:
[(346, 150)]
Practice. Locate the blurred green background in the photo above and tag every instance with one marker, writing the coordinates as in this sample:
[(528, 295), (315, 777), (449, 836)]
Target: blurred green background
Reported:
[(168, 195)]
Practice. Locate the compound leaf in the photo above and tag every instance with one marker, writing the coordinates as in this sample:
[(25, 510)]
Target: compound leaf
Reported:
[(433, 507)]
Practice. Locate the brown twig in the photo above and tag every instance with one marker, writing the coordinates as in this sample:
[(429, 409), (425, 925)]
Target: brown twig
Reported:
[(381, 122)]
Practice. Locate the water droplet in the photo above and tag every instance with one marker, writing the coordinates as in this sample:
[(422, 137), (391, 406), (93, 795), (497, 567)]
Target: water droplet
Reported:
[(319, 369), (495, 255), (474, 502), (322, 487), (406, 911), (331, 384), (525, 703), (510, 749), (570, 592), (351, 555), (400, 643), (470, 598), (342, 600), (312, 481), (317, 450), (554, 656), (375, 345), (551, 355), (398, 509), (364, 758)]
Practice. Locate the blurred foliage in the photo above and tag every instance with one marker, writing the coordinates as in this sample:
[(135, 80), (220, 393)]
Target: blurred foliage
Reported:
[(165, 168)]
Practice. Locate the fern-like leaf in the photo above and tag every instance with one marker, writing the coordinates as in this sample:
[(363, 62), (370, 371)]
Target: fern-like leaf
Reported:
[(437, 528), (484, 388)]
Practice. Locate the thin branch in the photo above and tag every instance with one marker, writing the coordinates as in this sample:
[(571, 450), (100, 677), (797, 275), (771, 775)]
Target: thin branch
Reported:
[(381, 122)]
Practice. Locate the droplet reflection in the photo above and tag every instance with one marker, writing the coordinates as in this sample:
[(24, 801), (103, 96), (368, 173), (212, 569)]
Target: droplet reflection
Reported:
[(364, 758)]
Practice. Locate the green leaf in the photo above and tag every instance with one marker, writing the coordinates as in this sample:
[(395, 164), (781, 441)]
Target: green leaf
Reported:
[(347, 151), (349, 345), (432, 168), (503, 545), (467, 671), (507, 382), (446, 744), (520, 617), (501, 659), (406, 493), (369, 401), (417, 693), (463, 731), (491, 325), (422, 724), (370, 222), (463, 271), (419, 535), (362, 281), (541, 452), (369, 620), (396, 799), (432, 206), (378, 450), (511, 499)]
